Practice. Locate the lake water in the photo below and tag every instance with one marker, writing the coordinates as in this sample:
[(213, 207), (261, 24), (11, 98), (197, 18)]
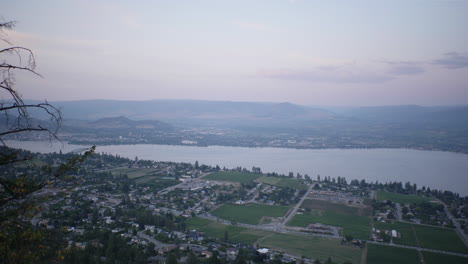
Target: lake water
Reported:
[(435, 169)]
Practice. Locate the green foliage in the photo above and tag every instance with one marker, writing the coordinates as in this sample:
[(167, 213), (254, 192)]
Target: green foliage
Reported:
[(20, 187), (20, 242), (103, 243), (18, 206)]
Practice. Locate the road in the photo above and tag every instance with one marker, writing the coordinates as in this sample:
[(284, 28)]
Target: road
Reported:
[(398, 212), (458, 228), (420, 248), (264, 227), (292, 213), (170, 188), (157, 243)]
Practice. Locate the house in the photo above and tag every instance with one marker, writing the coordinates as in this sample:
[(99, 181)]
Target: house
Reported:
[(166, 249), (206, 254), (232, 251)]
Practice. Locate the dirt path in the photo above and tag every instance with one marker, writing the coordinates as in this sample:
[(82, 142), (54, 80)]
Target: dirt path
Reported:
[(260, 240), (421, 257), (364, 255)]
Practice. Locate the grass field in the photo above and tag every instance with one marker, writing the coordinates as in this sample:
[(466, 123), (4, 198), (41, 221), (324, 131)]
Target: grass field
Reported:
[(435, 258), (313, 247), (249, 214), (308, 246), (336, 207), (378, 254), (440, 238), (407, 235), (235, 233), (353, 225), (233, 176), (133, 173), (283, 182), (142, 176), (401, 198), (428, 236)]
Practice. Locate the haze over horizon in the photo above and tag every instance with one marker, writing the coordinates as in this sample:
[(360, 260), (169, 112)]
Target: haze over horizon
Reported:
[(336, 53)]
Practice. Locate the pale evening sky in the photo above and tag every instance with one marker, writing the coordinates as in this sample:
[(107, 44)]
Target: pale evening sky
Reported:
[(309, 52)]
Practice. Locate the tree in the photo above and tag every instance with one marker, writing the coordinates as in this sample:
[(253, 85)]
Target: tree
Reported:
[(171, 259), (226, 235), (192, 259), (214, 258), (20, 241), (14, 111)]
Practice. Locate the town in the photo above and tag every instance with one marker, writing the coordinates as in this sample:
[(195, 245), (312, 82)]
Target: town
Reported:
[(112, 208)]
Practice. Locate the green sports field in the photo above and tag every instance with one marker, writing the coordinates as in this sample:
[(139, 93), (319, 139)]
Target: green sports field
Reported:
[(308, 246), (249, 214), (233, 176), (217, 230), (283, 182), (313, 247), (431, 237), (336, 207), (353, 225)]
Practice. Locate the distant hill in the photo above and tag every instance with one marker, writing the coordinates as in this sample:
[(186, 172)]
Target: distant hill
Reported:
[(227, 123), (255, 114), (196, 111), (123, 122), (410, 114)]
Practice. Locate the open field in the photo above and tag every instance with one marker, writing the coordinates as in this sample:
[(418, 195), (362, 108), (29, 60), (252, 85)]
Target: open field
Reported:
[(406, 232), (378, 254), (143, 176), (283, 182), (235, 233), (435, 258), (428, 236), (233, 176), (401, 198), (440, 238), (249, 214), (336, 207), (133, 172), (353, 225), (309, 246), (313, 247), (30, 163)]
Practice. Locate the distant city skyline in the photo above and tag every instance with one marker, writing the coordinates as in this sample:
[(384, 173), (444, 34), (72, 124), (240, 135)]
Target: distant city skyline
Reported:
[(335, 53)]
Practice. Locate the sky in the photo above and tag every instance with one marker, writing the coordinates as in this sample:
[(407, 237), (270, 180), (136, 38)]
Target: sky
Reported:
[(336, 53)]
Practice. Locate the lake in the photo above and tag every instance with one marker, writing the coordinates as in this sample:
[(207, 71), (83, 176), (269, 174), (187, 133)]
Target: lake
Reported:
[(434, 169)]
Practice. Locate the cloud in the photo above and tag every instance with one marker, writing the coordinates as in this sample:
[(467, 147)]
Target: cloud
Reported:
[(405, 68), (345, 74), (453, 60), (252, 25)]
